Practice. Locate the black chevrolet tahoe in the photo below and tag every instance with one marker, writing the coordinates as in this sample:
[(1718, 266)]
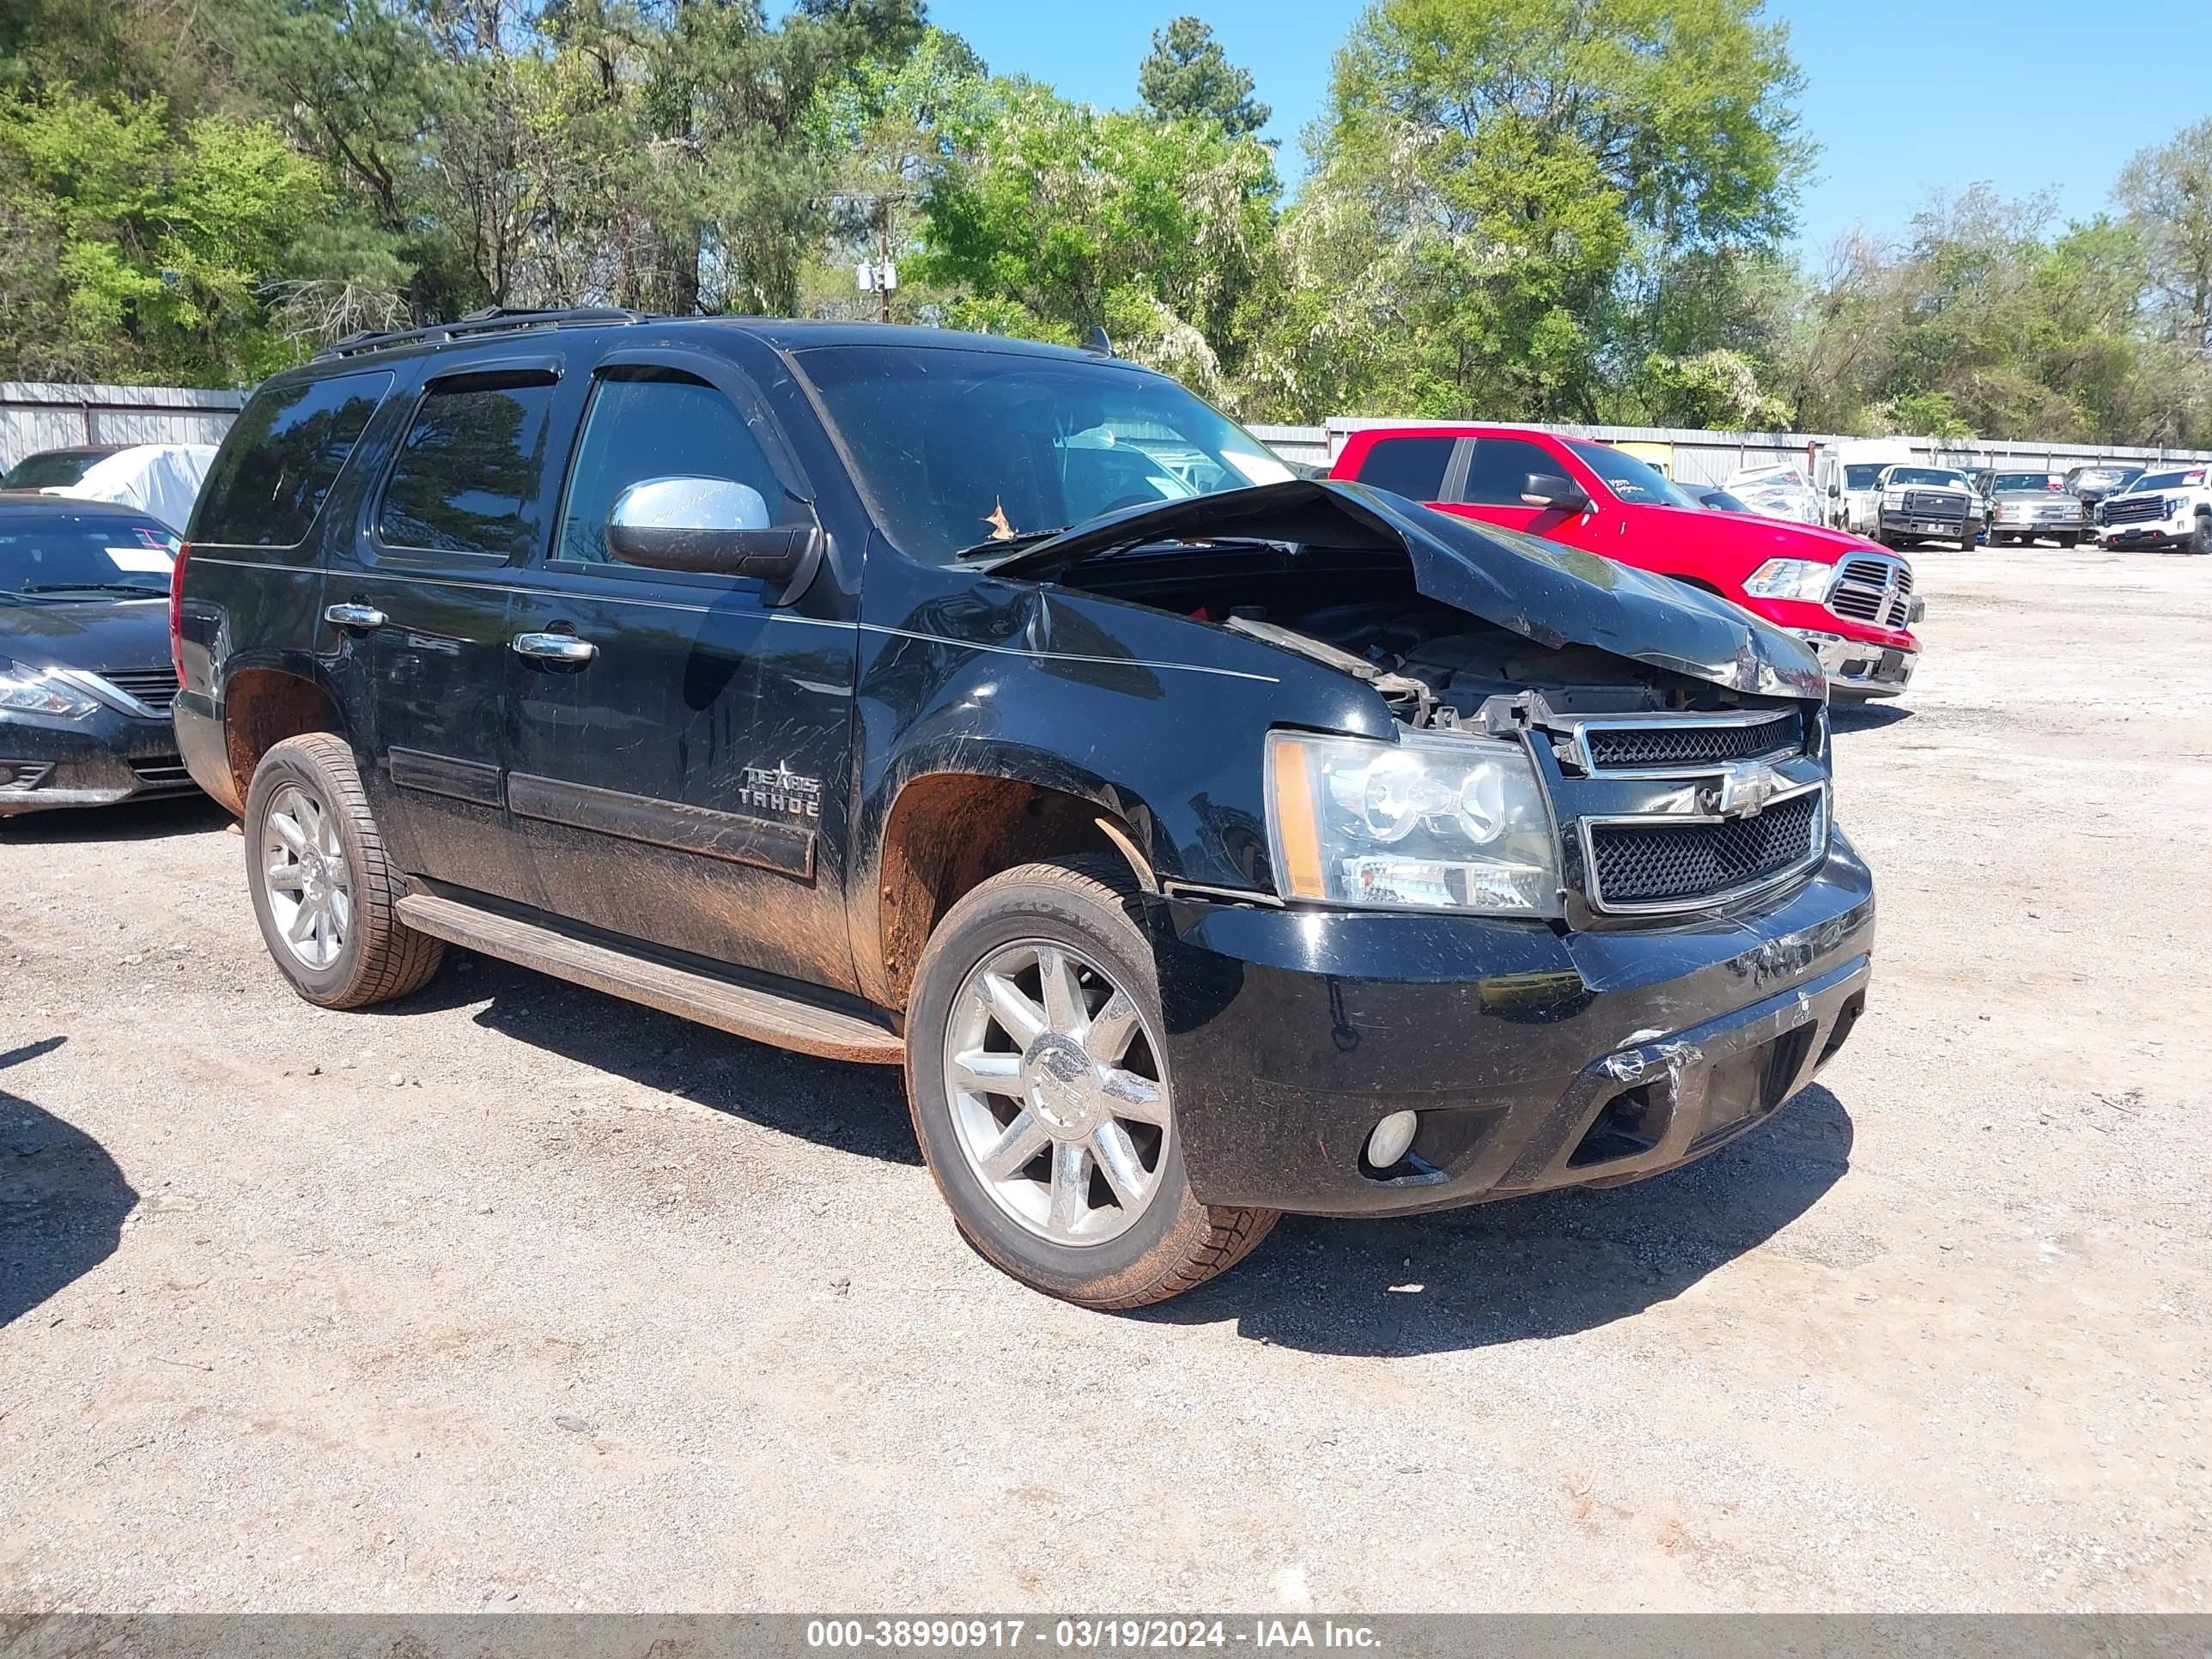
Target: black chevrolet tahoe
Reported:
[(1206, 842)]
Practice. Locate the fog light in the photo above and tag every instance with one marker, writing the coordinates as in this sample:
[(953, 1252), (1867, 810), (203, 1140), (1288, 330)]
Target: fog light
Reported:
[(6, 776), (1392, 1136)]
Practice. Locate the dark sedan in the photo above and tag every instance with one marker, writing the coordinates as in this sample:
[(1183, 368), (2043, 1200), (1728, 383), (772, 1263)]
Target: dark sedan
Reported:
[(85, 678)]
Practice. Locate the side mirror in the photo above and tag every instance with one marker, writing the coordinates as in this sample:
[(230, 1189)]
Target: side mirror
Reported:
[(1835, 492), (711, 526), (1551, 490)]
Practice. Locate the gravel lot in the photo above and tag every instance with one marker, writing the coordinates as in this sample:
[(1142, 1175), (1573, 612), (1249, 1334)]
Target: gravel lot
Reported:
[(515, 1296)]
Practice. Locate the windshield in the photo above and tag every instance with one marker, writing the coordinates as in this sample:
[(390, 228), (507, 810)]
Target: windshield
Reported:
[(2027, 481), (958, 448), (1862, 476), (52, 466), (59, 551), (2168, 480), (1720, 502), (1926, 476), (2105, 478), (1630, 479)]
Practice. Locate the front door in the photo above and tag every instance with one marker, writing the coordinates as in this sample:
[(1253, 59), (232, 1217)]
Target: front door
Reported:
[(1487, 480), (682, 752), (418, 608)]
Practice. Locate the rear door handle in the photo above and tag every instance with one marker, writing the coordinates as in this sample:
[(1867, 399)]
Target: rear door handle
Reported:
[(555, 648), (353, 615)]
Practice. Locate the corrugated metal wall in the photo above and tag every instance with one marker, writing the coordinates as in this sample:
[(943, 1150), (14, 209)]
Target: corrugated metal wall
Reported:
[(36, 417)]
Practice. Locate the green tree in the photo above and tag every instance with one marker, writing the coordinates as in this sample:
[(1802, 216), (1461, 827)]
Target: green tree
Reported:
[(163, 243), (1187, 76), (1063, 219), (1488, 173), (2167, 192)]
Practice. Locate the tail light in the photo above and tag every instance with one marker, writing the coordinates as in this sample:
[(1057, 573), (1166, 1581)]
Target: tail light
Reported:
[(177, 611)]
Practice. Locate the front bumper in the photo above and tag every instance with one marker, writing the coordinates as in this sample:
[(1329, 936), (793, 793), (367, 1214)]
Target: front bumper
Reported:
[(105, 757), (1855, 667), (2158, 532), (1534, 1060), (1942, 530)]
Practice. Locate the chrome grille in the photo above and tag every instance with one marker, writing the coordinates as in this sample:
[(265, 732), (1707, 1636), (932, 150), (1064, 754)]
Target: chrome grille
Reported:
[(1934, 504), (155, 687), (2134, 509), (1687, 742), (1875, 590), (1652, 865)]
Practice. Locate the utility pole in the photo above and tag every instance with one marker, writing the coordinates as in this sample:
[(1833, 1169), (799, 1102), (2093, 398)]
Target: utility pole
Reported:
[(883, 256)]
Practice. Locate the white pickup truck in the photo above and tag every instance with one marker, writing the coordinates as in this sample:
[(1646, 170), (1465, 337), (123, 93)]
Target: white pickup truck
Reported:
[(2168, 508)]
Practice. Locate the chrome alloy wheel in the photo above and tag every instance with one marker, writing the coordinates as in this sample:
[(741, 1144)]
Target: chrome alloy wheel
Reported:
[(1057, 1097), (310, 888)]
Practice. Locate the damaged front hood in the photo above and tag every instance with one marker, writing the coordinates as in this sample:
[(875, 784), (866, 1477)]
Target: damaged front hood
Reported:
[(1553, 595)]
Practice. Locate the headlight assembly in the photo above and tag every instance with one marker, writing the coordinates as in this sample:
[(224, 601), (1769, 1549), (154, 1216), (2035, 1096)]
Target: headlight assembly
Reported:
[(32, 691), (1791, 578), (1423, 823)]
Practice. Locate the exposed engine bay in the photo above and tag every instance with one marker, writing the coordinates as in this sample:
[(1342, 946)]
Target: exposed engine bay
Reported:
[(1435, 665)]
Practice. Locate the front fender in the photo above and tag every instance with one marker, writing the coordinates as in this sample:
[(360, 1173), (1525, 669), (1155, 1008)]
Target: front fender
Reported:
[(1158, 720)]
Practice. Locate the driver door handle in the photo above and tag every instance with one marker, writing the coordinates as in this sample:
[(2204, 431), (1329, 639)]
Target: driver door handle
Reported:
[(555, 648), (353, 615)]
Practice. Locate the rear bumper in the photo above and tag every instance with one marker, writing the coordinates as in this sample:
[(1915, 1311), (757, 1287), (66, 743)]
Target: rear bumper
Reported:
[(1533, 1061), (97, 761)]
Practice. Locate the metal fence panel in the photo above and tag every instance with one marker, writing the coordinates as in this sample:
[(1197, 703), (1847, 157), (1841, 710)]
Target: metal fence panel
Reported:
[(35, 416)]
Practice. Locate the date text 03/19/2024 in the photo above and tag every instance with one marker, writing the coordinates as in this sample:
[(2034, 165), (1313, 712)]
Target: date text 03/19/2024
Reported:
[(1086, 1635)]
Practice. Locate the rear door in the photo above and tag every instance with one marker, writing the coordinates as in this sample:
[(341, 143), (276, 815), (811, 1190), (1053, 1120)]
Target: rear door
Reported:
[(415, 611), (683, 743)]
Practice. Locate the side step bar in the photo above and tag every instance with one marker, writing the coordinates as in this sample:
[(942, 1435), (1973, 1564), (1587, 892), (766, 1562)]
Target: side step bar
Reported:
[(738, 1009)]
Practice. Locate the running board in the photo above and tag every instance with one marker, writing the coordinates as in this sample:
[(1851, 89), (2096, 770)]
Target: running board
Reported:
[(738, 1009)]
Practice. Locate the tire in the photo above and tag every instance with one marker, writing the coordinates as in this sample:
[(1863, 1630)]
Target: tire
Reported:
[(372, 956), (1163, 1244), (2068, 544), (2202, 541)]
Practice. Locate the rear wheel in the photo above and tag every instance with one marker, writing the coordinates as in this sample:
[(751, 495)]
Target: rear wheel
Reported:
[(1038, 1081), (322, 889)]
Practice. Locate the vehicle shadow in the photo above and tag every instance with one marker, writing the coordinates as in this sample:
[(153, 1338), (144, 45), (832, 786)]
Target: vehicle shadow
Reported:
[(62, 1198), (130, 820), (846, 1107), (1865, 716), (1530, 1268)]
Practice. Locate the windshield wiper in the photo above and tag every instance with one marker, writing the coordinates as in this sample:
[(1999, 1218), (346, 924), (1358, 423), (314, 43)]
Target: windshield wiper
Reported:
[(95, 587), (1010, 543)]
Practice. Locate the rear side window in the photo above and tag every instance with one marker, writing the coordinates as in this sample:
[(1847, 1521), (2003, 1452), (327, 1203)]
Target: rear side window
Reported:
[(1412, 467), (281, 458), (467, 477), (1500, 469)]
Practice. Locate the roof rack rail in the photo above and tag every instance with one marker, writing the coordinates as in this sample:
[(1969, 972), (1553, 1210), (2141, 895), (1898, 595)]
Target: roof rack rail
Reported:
[(497, 320)]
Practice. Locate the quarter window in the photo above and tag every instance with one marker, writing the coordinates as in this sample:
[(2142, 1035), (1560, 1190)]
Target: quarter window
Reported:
[(467, 477), (655, 423), (279, 462)]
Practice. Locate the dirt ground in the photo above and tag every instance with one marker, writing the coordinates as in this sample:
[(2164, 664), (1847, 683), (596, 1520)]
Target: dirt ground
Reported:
[(516, 1295)]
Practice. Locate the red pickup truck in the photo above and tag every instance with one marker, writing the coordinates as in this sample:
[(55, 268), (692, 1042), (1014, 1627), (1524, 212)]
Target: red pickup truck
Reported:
[(1849, 600)]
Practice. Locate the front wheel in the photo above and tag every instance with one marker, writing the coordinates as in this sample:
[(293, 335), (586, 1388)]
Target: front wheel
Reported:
[(2202, 541), (1039, 1083), (2068, 544), (322, 889)]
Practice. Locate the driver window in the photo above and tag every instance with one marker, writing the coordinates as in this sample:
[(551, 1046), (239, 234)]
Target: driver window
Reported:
[(654, 424)]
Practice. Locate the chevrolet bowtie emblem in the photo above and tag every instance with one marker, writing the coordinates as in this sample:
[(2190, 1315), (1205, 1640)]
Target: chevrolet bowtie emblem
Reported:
[(1744, 789)]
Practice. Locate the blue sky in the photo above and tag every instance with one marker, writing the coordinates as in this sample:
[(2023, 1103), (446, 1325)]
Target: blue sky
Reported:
[(1902, 98)]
